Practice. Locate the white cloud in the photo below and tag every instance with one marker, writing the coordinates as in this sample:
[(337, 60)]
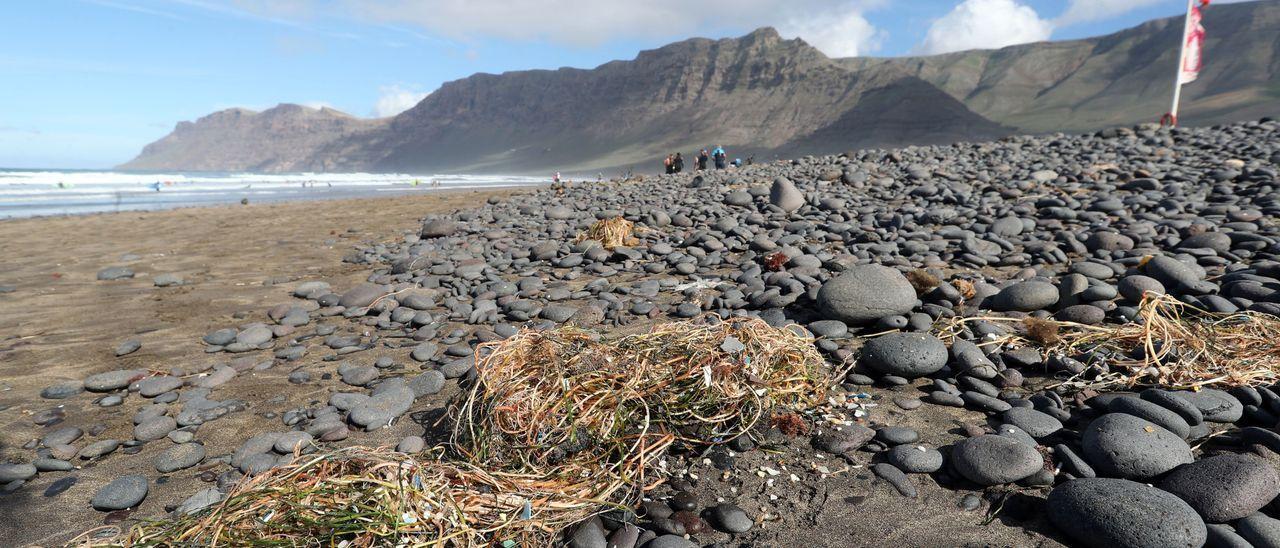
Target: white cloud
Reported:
[(985, 24), (835, 26), (845, 35), (1085, 11), (393, 100)]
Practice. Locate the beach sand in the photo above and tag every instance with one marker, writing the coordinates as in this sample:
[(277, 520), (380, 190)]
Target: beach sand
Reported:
[(61, 323)]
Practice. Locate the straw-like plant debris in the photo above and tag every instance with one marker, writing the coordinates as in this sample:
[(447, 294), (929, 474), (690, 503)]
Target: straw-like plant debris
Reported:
[(1171, 344), (560, 425), (611, 233), (922, 281), (564, 400)]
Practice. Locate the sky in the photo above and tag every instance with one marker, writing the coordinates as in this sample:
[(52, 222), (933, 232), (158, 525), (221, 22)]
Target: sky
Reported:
[(87, 83)]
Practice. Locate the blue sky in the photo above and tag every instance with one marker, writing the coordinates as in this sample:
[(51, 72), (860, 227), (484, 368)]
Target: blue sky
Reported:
[(87, 83)]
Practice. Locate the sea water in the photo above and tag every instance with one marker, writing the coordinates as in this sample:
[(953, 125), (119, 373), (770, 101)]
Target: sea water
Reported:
[(27, 193)]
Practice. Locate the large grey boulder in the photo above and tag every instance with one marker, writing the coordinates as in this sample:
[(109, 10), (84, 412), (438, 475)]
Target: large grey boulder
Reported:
[(785, 195), (1226, 487), (865, 293), (907, 355), (1119, 513), (1125, 446)]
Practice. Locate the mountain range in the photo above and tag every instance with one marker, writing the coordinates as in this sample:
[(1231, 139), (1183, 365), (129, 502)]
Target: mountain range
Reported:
[(758, 95)]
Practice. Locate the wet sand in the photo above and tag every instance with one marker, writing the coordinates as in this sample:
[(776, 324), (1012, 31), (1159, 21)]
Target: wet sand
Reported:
[(61, 323)]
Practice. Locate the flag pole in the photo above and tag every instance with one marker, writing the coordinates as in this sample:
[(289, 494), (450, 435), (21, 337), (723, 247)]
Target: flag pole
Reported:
[(1172, 116)]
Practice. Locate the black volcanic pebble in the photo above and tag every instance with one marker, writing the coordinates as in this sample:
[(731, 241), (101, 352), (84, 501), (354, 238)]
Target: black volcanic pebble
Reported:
[(907, 355), (1226, 487), (1123, 513), (1122, 445)]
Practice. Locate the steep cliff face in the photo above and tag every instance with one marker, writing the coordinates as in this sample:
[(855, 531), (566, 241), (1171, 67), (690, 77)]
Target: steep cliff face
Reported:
[(760, 95), (756, 93), (283, 138), (1121, 78)]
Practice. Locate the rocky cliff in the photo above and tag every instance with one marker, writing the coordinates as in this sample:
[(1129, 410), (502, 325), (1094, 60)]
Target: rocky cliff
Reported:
[(758, 95)]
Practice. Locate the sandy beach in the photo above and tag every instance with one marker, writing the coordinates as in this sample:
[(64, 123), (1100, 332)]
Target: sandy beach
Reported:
[(877, 349), (60, 323)]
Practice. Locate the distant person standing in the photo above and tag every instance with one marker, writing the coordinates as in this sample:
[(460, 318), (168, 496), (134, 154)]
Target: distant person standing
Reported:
[(719, 156), (703, 156), (678, 163), (555, 179), (669, 164)]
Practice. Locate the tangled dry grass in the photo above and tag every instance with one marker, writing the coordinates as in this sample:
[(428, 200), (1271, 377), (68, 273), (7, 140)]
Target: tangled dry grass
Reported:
[(1171, 345), (559, 426), (611, 233)]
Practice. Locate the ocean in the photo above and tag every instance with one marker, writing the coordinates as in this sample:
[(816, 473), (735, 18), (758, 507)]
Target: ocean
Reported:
[(29, 193)]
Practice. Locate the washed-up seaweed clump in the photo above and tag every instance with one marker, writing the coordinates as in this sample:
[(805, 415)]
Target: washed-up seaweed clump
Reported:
[(1170, 344), (559, 425)]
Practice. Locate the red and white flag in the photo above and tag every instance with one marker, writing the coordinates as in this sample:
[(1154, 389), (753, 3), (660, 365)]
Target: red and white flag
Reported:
[(1191, 59)]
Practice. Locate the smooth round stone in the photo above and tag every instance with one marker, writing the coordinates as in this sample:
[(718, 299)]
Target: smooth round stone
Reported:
[(154, 428), (1122, 445), (411, 444), (907, 355), (1093, 270), (255, 336), (897, 435), (843, 439), (128, 347), (17, 472), (729, 518), (915, 459), (896, 478), (62, 390), (179, 457), (112, 380), (865, 293), (62, 436), (53, 465), (1226, 487), (429, 382), (110, 401), (985, 402), (1223, 536), (289, 442), (670, 541), (99, 448), (154, 386), (1171, 272), (361, 296), (1026, 296), (124, 492), (1122, 513), (1134, 287), (115, 273), (1086, 314), (1146, 410), (220, 337), (1219, 242), (1259, 530), (831, 329), (1215, 405), (1033, 422), (906, 403), (1171, 401), (994, 460)]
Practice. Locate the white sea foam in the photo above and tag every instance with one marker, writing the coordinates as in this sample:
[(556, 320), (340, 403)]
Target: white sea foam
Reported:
[(29, 193)]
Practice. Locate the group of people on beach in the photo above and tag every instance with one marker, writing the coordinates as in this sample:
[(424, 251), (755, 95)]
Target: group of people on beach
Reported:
[(674, 163)]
